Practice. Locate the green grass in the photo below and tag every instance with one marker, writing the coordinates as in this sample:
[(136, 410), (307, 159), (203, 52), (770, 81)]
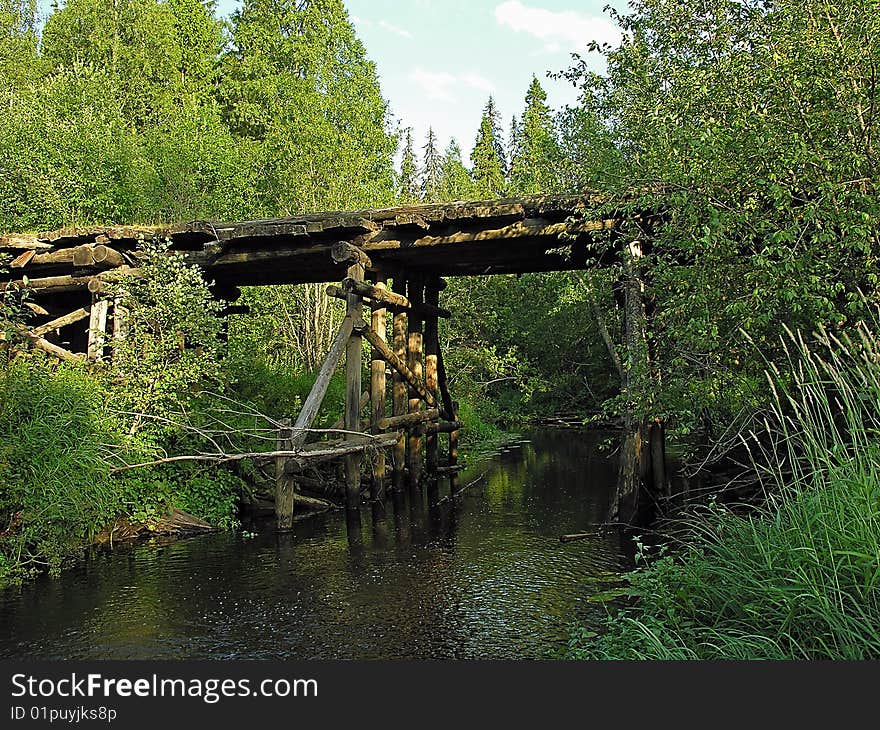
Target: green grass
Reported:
[(798, 578)]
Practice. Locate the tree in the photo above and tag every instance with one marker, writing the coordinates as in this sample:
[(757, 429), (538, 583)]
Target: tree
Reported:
[(455, 179), (19, 63), (408, 182), (488, 155), (432, 169), (513, 145), (199, 37), (538, 158)]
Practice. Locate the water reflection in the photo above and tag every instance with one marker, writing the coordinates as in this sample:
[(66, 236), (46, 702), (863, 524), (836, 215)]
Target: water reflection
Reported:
[(482, 576)]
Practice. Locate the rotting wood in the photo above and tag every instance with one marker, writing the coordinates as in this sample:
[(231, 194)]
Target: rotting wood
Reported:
[(98, 330), (285, 487), (445, 427), (432, 350), (57, 324), (353, 365), (379, 297), (344, 253)]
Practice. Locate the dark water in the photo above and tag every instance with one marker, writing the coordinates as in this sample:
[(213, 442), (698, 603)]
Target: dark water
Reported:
[(485, 579)]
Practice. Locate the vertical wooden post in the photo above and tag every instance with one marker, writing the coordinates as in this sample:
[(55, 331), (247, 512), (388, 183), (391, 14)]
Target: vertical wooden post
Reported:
[(453, 451), (658, 459), (377, 402), (414, 362), (353, 365), (632, 469), (432, 350), (98, 329), (120, 320), (400, 402), (285, 487)]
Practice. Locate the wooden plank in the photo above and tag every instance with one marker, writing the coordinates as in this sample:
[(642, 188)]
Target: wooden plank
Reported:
[(98, 330)]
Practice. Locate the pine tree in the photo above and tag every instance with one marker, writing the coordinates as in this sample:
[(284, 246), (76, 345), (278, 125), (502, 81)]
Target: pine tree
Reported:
[(455, 180), (536, 168), (432, 164), (488, 155), (408, 183)]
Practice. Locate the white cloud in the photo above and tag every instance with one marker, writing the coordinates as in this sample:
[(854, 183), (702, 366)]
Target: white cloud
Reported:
[(441, 85), (396, 29), (569, 27), (436, 84)]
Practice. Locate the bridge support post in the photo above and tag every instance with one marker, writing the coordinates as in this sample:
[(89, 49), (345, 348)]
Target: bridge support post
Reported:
[(400, 403), (353, 367), (414, 362), (453, 453), (377, 405), (432, 350), (285, 486)]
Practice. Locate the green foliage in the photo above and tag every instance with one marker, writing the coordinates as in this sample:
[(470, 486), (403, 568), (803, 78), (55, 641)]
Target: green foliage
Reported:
[(795, 579), (537, 156), (172, 348), (489, 166)]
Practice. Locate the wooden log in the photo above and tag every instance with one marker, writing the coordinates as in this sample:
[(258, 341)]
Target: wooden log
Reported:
[(415, 383), (285, 487), (395, 423), (625, 503), (447, 427), (399, 401), (57, 351), (23, 243), (353, 365), (98, 330), (377, 398), (453, 449), (392, 300), (345, 253), (416, 395), (57, 324), (313, 402), (329, 451), (432, 350), (443, 471), (50, 284), (339, 425), (37, 309), (106, 256), (22, 260)]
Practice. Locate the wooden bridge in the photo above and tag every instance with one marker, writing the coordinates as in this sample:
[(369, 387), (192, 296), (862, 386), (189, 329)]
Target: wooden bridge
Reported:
[(70, 275)]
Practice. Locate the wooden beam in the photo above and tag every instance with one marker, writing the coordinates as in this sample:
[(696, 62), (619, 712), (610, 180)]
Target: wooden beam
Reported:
[(445, 427), (313, 403), (345, 253), (57, 324), (395, 423), (398, 365), (383, 296)]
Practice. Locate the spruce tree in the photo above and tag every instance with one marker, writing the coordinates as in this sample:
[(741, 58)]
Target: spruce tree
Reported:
[(455, 180), (432, 164), (536, 167), (488, 155), (408, 183)]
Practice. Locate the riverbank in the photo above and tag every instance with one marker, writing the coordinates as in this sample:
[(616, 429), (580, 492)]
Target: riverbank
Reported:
[(797, 578)]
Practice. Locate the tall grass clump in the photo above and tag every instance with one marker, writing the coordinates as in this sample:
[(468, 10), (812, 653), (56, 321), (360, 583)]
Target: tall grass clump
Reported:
[(798, 578)]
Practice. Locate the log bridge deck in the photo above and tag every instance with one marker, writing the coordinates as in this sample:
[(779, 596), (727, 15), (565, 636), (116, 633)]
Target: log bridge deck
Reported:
[(70, 273)]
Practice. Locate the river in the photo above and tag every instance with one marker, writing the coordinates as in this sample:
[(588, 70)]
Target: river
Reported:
[(484, 578)]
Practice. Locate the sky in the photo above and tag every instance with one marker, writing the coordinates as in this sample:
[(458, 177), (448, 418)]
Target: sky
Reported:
[(439, 60)]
